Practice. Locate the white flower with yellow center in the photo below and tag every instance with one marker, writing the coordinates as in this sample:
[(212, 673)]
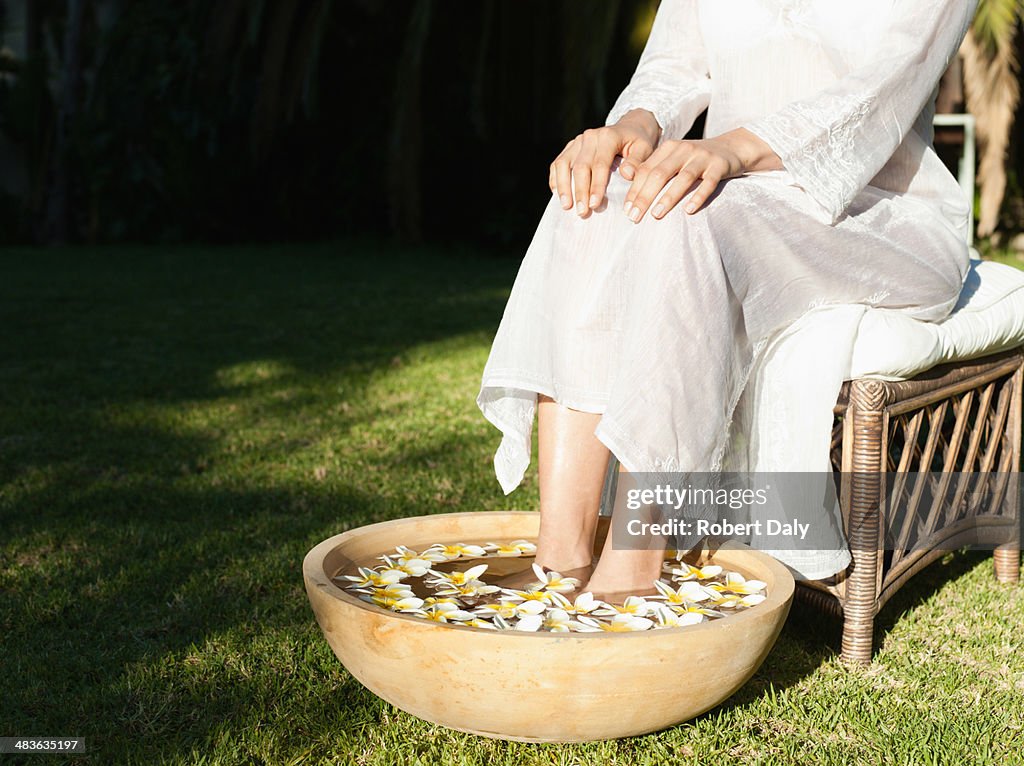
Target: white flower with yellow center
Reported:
[(736, 583), (432, 600), (369, 578), (515, 596), (555, 621), (408, 562), (669, 618), (620, 623), (510, 610), (687, 591), (477, 622), (457, 578), (681, 571), (471, 589), (449, 552), (725, 600), (444, 613), (514, 548), (401, 602), (554, 581), (585, 603), (692, 608), (633, 606)]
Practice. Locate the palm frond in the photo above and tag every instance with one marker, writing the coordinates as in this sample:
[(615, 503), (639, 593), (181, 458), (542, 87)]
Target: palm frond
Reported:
[(995, 23)]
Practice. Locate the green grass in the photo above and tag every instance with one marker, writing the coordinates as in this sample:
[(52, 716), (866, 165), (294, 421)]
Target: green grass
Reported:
[(179, 426)]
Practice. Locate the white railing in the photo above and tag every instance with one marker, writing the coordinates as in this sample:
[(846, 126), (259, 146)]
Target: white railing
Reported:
[(965, 168)]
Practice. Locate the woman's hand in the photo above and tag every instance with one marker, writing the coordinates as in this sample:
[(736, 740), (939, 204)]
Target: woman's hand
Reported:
[(676, 166), (584, 166)]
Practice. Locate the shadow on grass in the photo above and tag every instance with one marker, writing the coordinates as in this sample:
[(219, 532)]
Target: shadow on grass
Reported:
[(811, 637), (151, 402)]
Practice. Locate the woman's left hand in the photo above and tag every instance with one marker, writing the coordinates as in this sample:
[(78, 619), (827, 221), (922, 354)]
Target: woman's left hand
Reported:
[(678, 165)]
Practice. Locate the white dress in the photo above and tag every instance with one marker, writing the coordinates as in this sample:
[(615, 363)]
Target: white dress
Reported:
[(669, 327)]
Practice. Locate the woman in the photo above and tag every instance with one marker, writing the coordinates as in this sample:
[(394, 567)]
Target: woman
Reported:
[(662, 269)]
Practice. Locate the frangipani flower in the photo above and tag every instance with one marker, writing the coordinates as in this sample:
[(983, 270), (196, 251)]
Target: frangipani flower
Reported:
[(668, 618), (371, 578), (449, 552), (471, 589), (692, 608), (681, 571), (585, 603), (736, 583), (553, 581), (554, 620), (510, 609), (620, 623), (458, 578), (687, 591), (407, 561), (514, 548), (401, 602), (726, 600), (635, 606), (432, 600), (391, 570), (444, 613), (477, 622), (543, 596)]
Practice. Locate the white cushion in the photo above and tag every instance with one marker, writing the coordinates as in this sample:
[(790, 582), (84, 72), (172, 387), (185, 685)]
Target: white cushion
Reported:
[(989, 317)]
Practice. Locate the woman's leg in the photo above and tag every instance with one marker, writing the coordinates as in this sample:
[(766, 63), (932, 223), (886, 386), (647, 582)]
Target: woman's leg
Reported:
[(572, 464), (622, 572)]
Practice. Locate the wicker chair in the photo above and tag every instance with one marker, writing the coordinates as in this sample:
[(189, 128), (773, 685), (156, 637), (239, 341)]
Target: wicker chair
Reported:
[(960, 422), (960, 419)]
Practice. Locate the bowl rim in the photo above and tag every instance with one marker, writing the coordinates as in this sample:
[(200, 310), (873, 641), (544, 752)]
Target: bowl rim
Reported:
[(314, 573)]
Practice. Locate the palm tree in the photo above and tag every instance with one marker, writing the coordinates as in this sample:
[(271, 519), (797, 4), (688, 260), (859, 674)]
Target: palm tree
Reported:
[(992, 91)]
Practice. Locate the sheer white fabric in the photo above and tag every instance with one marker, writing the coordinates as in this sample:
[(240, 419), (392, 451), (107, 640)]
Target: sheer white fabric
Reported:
[(702, 339)]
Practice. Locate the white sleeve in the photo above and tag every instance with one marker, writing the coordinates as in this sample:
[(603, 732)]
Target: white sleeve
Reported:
[(671, 79), (834, 142)]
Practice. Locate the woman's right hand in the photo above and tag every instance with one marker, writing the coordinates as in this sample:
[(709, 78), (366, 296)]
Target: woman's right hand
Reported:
[(583, 168)]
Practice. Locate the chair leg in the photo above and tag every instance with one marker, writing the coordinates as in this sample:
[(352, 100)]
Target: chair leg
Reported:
[(860, 603), (1007, 562), (1007, 556)]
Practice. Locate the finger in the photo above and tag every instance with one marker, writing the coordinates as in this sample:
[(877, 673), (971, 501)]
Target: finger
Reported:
[(675, 185), (706, 188), (697, 167), (642, 172), (582, 172), (601, 172), (633, 154), (563, 174)]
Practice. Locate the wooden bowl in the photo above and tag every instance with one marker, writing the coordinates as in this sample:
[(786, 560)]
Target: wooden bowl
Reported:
[(536, 687)]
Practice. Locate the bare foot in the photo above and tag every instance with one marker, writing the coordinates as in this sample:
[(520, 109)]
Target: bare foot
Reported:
[(618, 597), (527, 578), (622, 573)]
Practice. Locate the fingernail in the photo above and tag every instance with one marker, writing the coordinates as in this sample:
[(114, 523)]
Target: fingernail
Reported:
[(580, 207), (690, 207), (565, 200), (658, 210), (634, 214), (594, 200), (626, 207)]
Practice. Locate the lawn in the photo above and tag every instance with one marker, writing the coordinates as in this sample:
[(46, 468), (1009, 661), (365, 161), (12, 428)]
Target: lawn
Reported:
[(178, 426)]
